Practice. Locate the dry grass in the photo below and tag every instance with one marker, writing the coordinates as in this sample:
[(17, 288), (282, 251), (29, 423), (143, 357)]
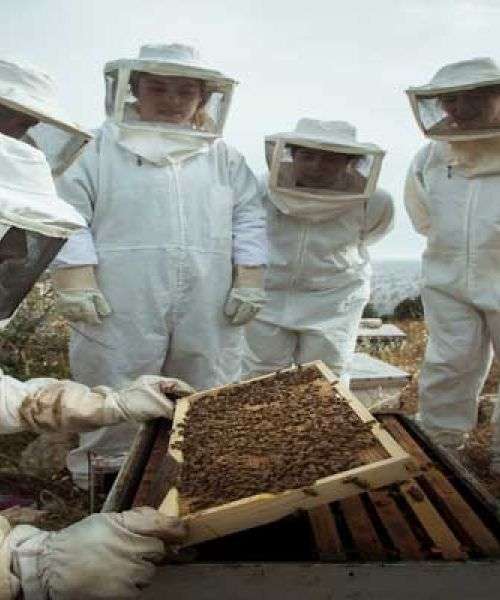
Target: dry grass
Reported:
[(409, 357), (35, 345)]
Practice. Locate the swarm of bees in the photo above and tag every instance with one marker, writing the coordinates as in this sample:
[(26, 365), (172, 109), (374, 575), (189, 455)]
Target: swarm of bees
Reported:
[(267, 436)]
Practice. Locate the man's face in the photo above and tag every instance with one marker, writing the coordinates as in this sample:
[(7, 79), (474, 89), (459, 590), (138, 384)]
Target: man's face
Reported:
[(319, 168), (473, 109), (168, 99), (15, 124)]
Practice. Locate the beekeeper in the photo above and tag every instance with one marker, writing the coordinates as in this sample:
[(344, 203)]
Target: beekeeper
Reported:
[(170, 209), (29, 110), (107, 555), (323, 211), (451, 195)]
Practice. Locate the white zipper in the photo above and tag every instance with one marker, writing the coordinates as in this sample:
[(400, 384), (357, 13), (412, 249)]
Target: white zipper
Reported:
[(300, 253), (179, 203), (470, 202)]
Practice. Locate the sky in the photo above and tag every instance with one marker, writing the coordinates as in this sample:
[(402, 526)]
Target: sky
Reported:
[(322, 59)]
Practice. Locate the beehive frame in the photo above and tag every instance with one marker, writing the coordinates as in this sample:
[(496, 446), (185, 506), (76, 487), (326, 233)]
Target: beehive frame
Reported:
[(264, 508)]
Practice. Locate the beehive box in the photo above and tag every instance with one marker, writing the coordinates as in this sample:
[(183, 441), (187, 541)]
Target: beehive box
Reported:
[(440, 529), (248, 454)]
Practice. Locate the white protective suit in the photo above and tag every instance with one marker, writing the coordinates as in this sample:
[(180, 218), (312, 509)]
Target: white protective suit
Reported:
[(164, 235), (318, 278), (104, 556), (454, 203)]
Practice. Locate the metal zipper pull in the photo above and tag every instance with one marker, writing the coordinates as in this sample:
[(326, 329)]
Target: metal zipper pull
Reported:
[(139, 161), (449, 171)]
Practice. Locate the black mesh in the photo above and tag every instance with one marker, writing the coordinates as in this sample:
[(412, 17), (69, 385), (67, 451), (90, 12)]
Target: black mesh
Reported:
[(24, 255)]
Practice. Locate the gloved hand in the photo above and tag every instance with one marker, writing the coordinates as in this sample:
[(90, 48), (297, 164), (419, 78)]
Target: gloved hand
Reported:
[(247, 295), (77, 295), (9, 583), (107, 555), (67, 406)]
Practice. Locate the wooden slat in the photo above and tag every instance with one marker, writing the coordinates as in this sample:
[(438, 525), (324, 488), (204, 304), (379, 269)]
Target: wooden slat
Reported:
[(445, 543), (454, 506), (396, 525), (362, 530), (154, 484), (326, 535)]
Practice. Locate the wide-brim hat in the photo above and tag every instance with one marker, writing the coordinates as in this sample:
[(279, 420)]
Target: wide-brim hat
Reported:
[(29, 90), (28, 198), (179, 59), (334, 135), (463, 75)]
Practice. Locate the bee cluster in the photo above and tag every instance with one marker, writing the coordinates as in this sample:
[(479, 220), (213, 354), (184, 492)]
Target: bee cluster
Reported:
[(267, 436)]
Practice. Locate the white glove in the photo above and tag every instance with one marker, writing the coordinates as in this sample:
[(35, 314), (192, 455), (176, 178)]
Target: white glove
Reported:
[(77, 295), (9, 583), (67, 406), (247, 295), (107, 555)]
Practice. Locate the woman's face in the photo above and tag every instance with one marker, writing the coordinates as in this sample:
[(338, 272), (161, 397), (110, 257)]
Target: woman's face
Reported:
[(319, 168), (168, 99), (15, 124)]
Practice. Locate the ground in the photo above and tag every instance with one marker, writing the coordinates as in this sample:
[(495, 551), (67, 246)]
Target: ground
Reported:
[(36, 345), (409, 357)]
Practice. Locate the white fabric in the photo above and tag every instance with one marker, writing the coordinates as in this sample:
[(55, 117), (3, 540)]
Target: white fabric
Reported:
[(477, 157), (461, 75), (311, 209), (161, 148), (28, 199), (166, 238), (78, 250), (335, 136), (317, 284), (175, 54), (186, 58), (105, 556), (455, 77), (9, 583), (326, 133), (166, 60), (28, 89), (415, 197), (48, 405), (461, 285)]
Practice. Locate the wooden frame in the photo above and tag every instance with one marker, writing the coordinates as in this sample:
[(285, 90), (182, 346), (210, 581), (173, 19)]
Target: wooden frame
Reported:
[(264, 508)]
